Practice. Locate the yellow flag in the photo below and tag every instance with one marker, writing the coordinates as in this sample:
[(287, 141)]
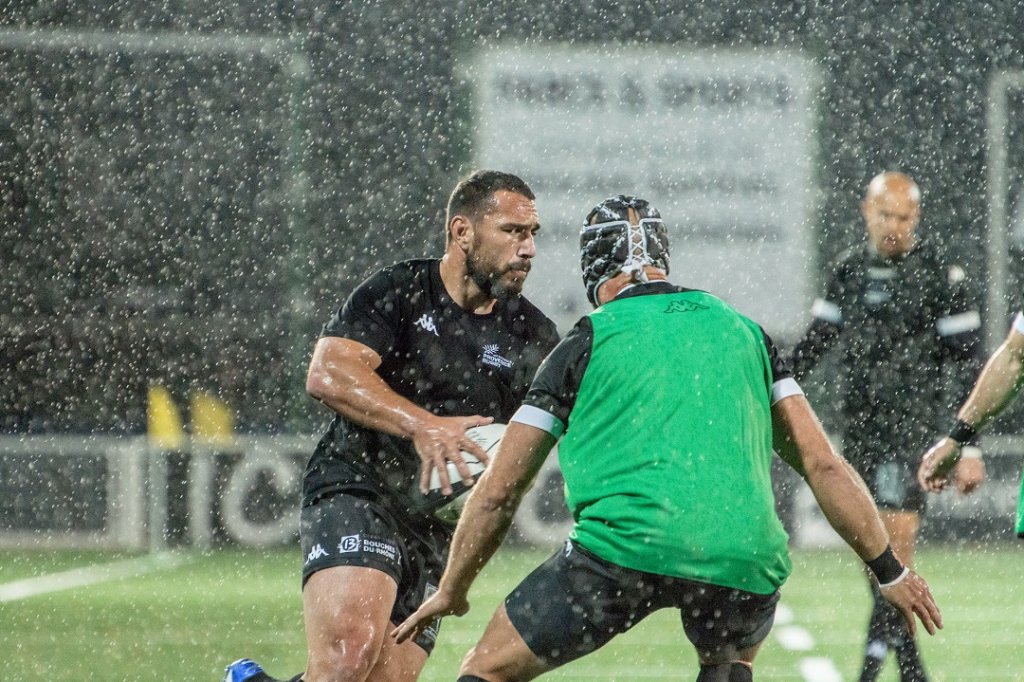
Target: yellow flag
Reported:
[(212, 420), (163, 420)]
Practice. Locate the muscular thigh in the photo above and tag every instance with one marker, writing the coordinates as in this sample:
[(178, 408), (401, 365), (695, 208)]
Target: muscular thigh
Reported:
[(356, 532), (723, 623), (574, 603), (346, 610)]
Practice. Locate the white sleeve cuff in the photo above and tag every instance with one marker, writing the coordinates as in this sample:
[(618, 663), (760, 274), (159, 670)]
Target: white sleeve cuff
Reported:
[(541, 419), (785, 388), (958, 324), (1018, 323), (826, 310)]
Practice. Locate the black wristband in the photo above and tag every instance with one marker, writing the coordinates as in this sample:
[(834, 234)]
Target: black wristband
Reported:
[(886, 566), (963, 433)]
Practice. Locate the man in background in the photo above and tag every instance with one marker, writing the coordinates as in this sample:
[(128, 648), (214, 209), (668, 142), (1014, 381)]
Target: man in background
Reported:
[(898, 312), (420, 352), (670, 403)]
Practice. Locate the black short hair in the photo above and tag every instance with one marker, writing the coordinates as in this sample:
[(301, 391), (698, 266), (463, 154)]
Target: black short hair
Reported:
[(471, 194)]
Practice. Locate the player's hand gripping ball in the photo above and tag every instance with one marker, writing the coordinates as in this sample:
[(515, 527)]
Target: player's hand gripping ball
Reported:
[(448, 507)]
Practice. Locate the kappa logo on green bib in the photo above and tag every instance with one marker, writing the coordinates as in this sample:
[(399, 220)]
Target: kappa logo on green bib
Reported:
[(684, 307)]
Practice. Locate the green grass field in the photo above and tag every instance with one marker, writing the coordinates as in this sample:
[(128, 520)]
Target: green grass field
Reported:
[(186, 622)]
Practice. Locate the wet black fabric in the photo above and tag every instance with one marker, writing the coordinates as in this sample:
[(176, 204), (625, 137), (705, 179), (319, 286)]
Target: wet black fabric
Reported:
[(893, 389), (360, 530), (439, 356), (575, 603), (725, 672)]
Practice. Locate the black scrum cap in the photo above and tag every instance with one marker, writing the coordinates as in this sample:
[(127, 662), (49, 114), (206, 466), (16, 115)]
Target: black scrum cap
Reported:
[(610, 244)]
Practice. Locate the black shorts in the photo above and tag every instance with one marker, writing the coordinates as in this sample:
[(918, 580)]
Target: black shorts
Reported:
[(888, 464), (356, 530), (575, 603), (893, 484)]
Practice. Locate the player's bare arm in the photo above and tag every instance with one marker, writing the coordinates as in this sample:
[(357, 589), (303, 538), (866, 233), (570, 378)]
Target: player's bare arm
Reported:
[(801, 441), (997, 385), (343, 376), (846, 503), (484, 522)]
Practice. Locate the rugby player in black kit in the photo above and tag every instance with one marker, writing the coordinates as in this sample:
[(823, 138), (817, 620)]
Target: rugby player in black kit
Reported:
[(419, 352), (899, 313)]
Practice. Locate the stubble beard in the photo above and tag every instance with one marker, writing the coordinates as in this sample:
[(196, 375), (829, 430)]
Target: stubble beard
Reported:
[(491, 282)]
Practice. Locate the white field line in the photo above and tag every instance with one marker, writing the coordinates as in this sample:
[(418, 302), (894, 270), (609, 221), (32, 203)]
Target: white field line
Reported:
[(795, 638), (816, 669), (88, 575)]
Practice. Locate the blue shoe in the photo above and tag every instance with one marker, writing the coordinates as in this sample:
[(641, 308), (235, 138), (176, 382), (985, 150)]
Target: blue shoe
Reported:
[(241, 670)]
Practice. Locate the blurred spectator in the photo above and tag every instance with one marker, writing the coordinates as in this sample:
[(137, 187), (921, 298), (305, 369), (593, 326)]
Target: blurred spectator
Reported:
[(899, 312)]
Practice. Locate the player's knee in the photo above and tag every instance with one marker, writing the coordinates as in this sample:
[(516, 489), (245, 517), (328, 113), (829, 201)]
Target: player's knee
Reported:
[(477, 666), (726, 672), (346, 657), (469, 662)]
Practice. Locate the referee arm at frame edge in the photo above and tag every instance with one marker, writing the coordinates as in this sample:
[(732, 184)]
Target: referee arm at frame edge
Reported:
[(996, 387)]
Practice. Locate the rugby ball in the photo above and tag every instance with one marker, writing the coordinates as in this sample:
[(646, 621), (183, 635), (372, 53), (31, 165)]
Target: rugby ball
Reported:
[(448, 507)]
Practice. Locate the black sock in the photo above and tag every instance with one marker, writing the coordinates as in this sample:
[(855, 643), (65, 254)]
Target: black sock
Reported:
[(879, 636), (741, 673), (726, 672), (470, 678), (909, 659), (871, 668), (894, 632)]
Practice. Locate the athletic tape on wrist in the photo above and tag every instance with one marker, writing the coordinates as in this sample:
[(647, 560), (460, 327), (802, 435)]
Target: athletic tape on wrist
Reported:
[(970, 452), (887, 568), (901, 578), (963, 433)]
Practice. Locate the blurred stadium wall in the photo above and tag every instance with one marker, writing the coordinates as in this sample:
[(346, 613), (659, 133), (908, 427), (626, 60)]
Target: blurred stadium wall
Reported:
[(188, 189)]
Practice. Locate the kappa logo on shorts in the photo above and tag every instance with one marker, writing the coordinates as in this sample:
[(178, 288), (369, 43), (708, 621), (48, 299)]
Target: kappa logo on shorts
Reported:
[(426, 323), (315, 553), (349, 543)]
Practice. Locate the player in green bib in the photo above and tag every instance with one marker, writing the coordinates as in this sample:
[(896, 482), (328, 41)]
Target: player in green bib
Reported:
[(669, 404), (701, 505)]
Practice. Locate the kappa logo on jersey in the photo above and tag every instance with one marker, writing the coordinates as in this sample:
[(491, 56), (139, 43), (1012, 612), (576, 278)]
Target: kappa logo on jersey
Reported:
[(315, 553), (493, 358), (684, 307), (426, 323), (349, 543)]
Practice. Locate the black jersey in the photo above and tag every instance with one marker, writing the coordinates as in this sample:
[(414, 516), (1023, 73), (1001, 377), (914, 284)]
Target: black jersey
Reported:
[(897, 321), (441, 357)]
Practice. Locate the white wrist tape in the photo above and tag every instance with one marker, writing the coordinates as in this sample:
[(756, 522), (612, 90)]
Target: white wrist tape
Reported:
[(970, 452)]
